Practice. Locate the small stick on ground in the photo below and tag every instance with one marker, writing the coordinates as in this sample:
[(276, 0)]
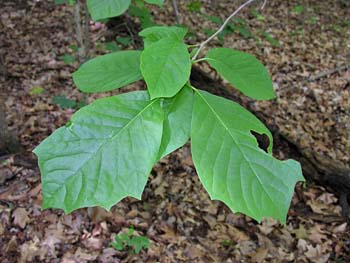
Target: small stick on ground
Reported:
[(329, 72)]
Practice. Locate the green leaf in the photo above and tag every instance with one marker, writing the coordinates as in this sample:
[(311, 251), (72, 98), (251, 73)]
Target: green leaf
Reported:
[(100, 9), (243, 71), (139, 10), (111, 46), (67, 58), (166, 67), (194, 6), (177, 121), (36, 90), (230, 164), (273, 41), (125, 41), (153, 34), (108, 72), (63, 102), (103, 154), (155, 2), (139, 243)]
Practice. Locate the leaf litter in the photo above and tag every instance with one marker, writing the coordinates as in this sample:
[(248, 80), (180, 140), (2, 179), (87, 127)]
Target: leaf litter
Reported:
[(175, 213)]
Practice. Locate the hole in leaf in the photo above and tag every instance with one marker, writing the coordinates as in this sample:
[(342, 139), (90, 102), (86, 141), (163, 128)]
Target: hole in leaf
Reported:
[(262, 139)]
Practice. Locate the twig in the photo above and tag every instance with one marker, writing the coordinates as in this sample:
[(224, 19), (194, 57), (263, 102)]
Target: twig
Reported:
[(329, 72), (79, 33), (263, 5), (86, 29), (221, 28), (176, 12)]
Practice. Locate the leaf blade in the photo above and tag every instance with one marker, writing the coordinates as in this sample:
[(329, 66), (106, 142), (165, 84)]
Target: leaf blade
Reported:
[(155, 2), (108, 72), (231, 166), (177, 121), (166, 67), (100, 9), (243, 71), (153, 34), (104, 154)]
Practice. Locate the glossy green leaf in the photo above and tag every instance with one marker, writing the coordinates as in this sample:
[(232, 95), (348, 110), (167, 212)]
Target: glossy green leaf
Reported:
[(166, 67), (103, 154), (230, 164), (243, 71), (109, 72), (155, 2), (177, 121), (156, 33), (100, 9)]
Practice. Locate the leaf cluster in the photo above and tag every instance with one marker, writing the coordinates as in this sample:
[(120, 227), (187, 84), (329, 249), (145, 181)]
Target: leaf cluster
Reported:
[(107, 150)]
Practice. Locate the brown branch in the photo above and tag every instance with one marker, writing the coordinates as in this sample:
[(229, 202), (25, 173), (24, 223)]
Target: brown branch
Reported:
[(79, 33)]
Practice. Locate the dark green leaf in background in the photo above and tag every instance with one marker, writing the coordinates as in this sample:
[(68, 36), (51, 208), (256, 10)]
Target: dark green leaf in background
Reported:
[(108, 72), (153, 34), (155, 2), (100, 9)]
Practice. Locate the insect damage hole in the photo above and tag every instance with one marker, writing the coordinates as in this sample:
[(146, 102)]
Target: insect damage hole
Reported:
[(262, 139)]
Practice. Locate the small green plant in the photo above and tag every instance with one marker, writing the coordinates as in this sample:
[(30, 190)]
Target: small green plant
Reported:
[(347, 24), (129, 241), (111, 46), (124, 41), (273, 41), (66, 103), (298, 9), (238, 25), (138, 9), (108, 148), (313, 20), (194, 6), (258, 15), (36, 90), (67, 58)]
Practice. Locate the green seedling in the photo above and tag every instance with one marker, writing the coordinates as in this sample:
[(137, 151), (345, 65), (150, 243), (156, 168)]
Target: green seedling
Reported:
[(125, 242)]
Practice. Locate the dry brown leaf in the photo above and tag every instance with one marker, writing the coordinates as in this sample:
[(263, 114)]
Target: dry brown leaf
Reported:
[(246, 247), (268, 225), (20, 217), (161, 189), (340, 229), (316, 234), (30, 250), (300, 232), (260, 255), (317, 254)]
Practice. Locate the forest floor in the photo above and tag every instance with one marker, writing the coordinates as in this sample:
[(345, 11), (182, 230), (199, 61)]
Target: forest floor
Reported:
[(306, 47)]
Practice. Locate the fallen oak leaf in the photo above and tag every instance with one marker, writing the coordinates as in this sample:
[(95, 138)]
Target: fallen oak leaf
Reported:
[(20, 217)]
